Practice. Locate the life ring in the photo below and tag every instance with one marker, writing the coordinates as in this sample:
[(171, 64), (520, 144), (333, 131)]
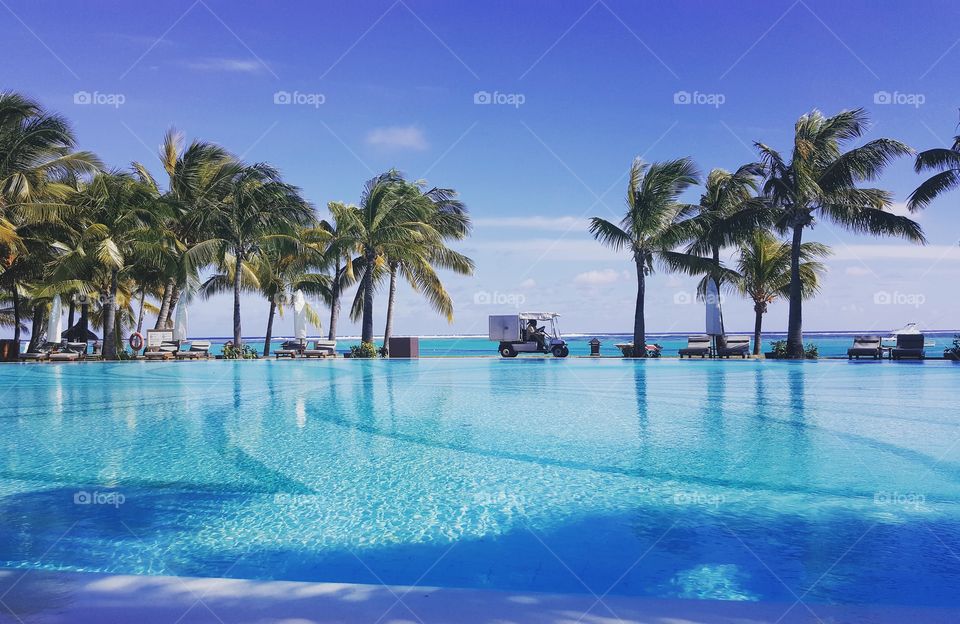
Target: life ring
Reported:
[(136, 341)]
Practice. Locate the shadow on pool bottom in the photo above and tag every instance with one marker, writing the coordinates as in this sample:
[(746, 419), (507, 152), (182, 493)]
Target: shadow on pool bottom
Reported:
[(684, 551)]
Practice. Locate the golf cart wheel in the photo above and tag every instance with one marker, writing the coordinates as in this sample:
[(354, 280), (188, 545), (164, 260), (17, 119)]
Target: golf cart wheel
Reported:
[(507, 351), (560, 351)]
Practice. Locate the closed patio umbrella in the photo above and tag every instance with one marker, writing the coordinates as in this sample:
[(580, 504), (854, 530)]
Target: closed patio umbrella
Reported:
[(180, 324), (714, 313), (55, 322), (299, 316)]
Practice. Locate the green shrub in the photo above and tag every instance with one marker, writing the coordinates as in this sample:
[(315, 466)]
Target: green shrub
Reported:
[(811, 352), (364, 350), (243, 352), (779, 348)]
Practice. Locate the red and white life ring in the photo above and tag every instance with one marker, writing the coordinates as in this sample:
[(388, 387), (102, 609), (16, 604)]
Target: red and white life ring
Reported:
[(136, 341)]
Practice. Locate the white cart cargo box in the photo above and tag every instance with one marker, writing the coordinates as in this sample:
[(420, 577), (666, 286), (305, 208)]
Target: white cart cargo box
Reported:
[(504, 327)]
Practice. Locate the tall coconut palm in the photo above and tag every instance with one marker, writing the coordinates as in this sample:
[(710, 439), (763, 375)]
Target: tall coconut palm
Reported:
[(819, 179), (654, 224), (118, 210), (728, 213), (764, 270), (944, 160), (386, 221), (198, 178), (341, 247), (37, 152), (443, 218), (258, 206)]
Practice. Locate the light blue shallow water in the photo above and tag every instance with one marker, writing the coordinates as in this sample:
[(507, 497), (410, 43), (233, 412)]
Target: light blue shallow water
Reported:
[(838, 482)]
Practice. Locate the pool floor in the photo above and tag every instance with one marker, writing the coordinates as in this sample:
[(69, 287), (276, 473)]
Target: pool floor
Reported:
[(832, 483)]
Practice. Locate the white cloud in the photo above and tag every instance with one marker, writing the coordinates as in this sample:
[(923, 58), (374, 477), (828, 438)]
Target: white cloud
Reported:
[(596, 278), (535, 222), (398, 137), (246, 66)]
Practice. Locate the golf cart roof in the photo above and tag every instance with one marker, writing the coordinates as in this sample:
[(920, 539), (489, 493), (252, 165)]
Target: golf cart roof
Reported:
[(538, 316)]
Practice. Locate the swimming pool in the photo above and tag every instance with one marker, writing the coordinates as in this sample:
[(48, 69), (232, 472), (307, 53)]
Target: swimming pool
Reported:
[(833, 482)]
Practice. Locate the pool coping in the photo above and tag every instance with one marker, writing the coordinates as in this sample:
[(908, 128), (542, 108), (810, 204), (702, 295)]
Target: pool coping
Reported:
[(48, 597)]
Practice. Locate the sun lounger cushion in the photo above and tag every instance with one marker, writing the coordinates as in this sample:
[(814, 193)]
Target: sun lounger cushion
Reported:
[(865, 346), (696, 345)]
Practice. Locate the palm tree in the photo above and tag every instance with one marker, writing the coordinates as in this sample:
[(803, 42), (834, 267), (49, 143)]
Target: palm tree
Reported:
[(654, 224), (947, 161), (198, 179), (118, 210), (36, 157), (819, 179), (443, 218), (727, 215), (386, 222), (259, 206), (763, 273), (339, 256)]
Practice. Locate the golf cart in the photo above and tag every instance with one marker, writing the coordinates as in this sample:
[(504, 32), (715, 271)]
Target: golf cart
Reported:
[(509, 331)]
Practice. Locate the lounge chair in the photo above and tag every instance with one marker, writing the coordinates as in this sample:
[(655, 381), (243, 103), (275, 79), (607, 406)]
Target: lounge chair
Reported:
[(865, 346), (166, 350), (70, 352), (696, 345), (735, 345), (322, 348), (199, 349), (40, 354), (290, 349), (908, 346)]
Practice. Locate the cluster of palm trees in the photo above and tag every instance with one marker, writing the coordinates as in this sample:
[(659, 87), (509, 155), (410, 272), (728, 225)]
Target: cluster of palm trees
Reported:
[(116, 244), (749, 209)]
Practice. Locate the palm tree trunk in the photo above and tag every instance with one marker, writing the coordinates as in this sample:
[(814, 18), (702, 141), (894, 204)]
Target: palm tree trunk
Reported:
[(269, 335), (83, 325), (70, 313), (795, 323), (165, 304), (38, 332), (334, 303), (143, 297), (237, 277), (759, 308), (366, 333), (16, 314), (175, 293), (109, 321), (639, 326), (716, 282), (388, 329)]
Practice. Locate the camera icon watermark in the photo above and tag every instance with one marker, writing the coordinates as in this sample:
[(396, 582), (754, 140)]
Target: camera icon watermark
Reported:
[(701, 499), (298, 98), (115, 100), (485, 297), (901, 499), (113, 499), (915, 100), (684, 98), (515, 100), (884, 297)]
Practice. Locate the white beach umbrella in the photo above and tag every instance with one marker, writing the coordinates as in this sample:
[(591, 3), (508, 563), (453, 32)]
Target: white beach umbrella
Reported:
[(55, 322), (299, 316), (714, 313), (180, 323)]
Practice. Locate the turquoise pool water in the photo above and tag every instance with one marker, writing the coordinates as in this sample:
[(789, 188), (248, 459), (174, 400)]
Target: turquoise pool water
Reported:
[(836, 482), (829, 344)]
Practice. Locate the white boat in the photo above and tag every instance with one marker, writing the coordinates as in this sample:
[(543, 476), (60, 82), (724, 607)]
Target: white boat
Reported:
[(909, 328)]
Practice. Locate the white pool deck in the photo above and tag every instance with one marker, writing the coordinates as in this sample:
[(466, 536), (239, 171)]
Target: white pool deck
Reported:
[(40, 597)]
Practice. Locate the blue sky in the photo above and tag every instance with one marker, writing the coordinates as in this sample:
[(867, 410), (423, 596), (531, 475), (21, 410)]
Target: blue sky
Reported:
[(568, 94)]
